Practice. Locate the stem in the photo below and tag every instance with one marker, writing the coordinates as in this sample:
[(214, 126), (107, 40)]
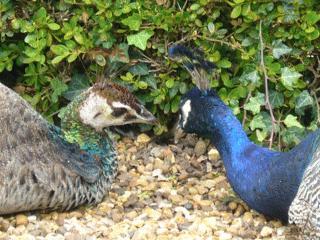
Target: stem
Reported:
[(184, 5), (266, 81), (317, 104), (245, 111), (221, 42)]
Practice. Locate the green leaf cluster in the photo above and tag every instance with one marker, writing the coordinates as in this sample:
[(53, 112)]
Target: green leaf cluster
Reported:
[(53, 50)]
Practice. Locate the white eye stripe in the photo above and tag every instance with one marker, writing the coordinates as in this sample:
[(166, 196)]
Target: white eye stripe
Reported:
[(120, 105), (186, 109)]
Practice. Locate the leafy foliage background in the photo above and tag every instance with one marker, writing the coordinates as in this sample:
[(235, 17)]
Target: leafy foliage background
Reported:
[(52, 50)]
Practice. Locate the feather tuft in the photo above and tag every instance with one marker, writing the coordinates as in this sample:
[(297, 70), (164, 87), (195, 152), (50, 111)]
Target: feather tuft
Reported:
[(194, 63)]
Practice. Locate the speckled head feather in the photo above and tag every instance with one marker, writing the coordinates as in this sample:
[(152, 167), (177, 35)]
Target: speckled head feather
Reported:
[(108, 104), (115, 92)]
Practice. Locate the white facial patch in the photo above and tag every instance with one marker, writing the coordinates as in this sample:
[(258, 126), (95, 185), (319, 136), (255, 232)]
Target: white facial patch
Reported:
[(131, 111), (93, 105), (120, 105), (186, 109)]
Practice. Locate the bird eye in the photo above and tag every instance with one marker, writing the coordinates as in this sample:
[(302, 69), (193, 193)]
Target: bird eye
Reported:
[(119, 111), (97, 114)]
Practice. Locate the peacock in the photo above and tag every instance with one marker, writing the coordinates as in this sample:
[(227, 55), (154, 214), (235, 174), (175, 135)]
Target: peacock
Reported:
[(44, 167), (283, 185)]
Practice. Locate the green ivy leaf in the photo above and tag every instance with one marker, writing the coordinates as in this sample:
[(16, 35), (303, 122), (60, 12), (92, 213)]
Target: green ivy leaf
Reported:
[(303, 101), (289, 77), (40, 15), (170, 83), (211, 27), (257, 122), (224, 63), (58, 59), (313, 35), (54, 26), (236, 11), (151, 80), (276, 99), (142, 85), (238, 92), (183, 88), (79, 38), (291, 121), (194, 6), (226, 80), (279, 49), (255, 103), (72, 57), (78, 83), (59, 50), (261, 135), (140, 69), (133, 22), (312, 17), (293, 135), (140, 39), (58, 88), (251, 77), (175, 104)]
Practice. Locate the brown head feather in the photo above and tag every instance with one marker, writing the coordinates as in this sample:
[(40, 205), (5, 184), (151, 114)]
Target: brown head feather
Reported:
[(115, 92)]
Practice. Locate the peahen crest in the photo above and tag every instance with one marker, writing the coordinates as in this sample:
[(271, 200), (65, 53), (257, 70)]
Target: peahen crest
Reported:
[(194, 63)]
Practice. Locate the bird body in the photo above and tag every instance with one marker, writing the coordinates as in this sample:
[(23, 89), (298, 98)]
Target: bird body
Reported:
[(284, 185), (45, 167)]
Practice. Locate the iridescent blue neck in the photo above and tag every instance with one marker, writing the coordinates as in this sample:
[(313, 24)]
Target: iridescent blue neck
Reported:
[(266, 180), (228, 136)]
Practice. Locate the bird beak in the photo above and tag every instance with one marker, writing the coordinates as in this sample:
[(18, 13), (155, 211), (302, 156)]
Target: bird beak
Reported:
[(152, 120), (148, 118)]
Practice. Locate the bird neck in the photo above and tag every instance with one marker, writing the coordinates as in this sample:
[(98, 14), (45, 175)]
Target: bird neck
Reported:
[(228, 136), (266, 180), (97, 144)]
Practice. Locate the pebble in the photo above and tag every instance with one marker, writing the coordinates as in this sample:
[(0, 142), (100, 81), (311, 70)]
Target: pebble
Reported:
[(4, 225), (233, 205), (224, 236), (176, 199), (162, 192), (266, 231), (281, 231), (21, 219), (213, 155), (143, 138), (239, 211), (200, 148), (247, 217), (151, 213)]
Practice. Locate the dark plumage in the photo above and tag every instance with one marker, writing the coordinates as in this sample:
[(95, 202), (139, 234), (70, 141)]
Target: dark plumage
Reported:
[(45, 167), (192, 59), (284, 185)]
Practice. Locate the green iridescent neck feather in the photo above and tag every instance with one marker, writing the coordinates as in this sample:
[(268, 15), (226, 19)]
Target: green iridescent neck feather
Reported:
[(97, 144)]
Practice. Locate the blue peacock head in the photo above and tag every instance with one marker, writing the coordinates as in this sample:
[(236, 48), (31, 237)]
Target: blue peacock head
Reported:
[(201, 104)]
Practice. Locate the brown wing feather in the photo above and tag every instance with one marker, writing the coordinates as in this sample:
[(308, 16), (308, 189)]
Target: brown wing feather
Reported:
[(26, 139)]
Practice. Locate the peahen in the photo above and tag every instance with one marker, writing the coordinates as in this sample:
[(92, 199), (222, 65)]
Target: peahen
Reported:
[(284, 185), (46, 167)]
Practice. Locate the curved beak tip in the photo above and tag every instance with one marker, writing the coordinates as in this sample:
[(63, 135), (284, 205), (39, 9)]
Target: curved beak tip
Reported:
[(154, 121)]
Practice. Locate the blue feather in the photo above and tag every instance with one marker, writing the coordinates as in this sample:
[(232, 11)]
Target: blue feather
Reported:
[(278, 184)]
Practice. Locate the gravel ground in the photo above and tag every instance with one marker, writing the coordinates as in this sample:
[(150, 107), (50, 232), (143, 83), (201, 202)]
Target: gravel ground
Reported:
[(176, 191)]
